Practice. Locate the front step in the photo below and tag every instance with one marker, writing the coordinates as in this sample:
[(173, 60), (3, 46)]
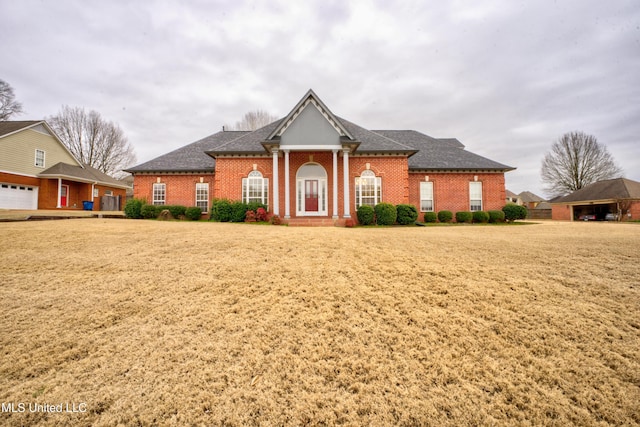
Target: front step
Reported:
[(315, 222)]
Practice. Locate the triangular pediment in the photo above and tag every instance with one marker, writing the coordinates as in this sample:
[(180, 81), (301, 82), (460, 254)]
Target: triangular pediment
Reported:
[(302, 111)]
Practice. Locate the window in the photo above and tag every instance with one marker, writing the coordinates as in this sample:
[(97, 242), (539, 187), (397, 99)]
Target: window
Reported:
[(202, 196), (426, 196), (475, 196), (368, 189), (255, 188), (40, 158), (159, 194)]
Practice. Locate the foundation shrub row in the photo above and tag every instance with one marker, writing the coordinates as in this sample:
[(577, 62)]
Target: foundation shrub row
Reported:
[(139, 208)]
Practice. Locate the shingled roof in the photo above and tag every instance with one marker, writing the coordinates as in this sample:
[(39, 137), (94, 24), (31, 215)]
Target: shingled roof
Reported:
[(610, 189), (84, 173), (424, 152), (8, 127)]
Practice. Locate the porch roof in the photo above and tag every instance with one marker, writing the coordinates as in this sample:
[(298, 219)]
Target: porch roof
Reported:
[(86, 174)]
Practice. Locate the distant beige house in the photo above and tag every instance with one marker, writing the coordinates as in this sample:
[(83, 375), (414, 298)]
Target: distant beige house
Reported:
[(38, 172)]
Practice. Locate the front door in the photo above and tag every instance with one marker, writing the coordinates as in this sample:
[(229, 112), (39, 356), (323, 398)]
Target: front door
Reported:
[(311, 195), (64, 194)]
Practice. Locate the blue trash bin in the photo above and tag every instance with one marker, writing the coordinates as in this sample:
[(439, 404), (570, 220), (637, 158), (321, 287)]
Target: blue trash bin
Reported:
[(87, 206)]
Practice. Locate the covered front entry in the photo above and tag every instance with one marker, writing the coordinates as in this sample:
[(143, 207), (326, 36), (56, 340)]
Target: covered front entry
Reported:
[(311, 190)]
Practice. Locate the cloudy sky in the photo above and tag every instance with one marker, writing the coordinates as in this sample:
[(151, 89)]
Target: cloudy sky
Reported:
[(505, 77)]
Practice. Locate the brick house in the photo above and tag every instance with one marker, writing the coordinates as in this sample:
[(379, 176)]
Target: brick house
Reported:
[(314, 164), (38, 172)]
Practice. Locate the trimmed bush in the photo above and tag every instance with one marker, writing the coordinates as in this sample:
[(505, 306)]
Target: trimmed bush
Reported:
[(254, 206), (496, 216), (193, 213), (386, 214), (133, 207), (176, 210), (221, 210), (480, 217), (238, 211), (513, 212), (445, 216), (430, 217), (365, 214), (149, 212), (464, 216), (261, 214), (407, 214)]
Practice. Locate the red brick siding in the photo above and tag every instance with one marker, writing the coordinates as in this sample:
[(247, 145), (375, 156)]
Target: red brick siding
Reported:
[(10, 178), (561, 212), (451, 190), (180, 188)]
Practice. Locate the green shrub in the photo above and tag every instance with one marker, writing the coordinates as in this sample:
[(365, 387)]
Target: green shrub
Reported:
[(149, 212), (176, 210), (193, 213), (365, 214), (221, 210), (513, 212), (407, 214), (386, 214), (133, 207), (496, 216), (464, 216), (430, 217), (445, 216), (254, 206), (238, 211), (481, 217)]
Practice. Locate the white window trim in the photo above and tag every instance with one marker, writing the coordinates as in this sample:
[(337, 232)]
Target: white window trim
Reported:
[(433, 205), (206, 200), (264, 188), (35, 162), (159, 202), (471, 200), (377, 187)]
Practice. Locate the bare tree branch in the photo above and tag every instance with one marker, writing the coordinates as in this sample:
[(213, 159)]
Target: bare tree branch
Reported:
[(253, 120), (8, 105), (93, 140), (576, 160)]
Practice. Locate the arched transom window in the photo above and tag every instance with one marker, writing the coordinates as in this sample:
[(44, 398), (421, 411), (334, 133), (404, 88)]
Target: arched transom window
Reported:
[(255, 188), (368, 189)]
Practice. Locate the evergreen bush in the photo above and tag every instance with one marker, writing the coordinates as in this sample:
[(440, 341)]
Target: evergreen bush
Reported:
[(193, 213), (496, 216), (149, 212), (407, 214), (238, 211), (513, 212), (132, 208), (445, 216), (480, 217), (221, 210), (430, 217), (464, 216), (386, 214), (365, 215)]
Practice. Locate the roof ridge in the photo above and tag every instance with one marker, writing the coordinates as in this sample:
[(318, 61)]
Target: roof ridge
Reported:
[(382, 136)]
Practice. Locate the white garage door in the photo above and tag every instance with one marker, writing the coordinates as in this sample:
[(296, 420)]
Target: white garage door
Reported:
[(14, 196)]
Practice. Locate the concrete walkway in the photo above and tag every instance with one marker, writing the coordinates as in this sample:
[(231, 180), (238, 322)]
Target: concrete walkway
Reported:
[(24, 215)]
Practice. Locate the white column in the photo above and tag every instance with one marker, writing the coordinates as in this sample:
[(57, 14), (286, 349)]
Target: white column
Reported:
[(335, 184), (287, 202), (347, 197), (60, 193), (276, 188)]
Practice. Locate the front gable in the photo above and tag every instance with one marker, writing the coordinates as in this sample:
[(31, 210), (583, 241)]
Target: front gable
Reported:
[(310, 128)]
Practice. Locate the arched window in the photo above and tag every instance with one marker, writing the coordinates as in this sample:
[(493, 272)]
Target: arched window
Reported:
[(255, 188), (368, 189)]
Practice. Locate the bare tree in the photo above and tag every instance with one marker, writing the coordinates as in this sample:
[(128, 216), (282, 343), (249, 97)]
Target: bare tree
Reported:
[(8, 105), (253, 120), (93, 140), (576, 160)]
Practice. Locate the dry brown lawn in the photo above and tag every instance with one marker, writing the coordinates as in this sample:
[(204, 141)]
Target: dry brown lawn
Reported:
[(178, 323)]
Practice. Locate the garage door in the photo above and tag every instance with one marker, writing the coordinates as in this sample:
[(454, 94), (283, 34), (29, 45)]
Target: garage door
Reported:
[(14, 196)]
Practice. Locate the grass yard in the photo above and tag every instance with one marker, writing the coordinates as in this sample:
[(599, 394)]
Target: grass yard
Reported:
[(176, 323)]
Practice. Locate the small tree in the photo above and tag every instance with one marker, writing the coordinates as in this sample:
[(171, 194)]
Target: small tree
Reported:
[(577, 160), (8, 104)]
